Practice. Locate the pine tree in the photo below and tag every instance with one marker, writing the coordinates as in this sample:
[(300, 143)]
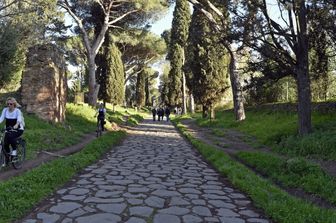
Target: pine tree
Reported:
[(179, 35)]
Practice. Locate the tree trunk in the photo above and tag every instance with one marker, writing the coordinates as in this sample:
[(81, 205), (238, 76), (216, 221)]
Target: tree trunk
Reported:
[(212, 112), (147, 93), (93, 85), (192, 104), (205, 111), (304, 102), (184, 96), (303, 82), (237, 92)]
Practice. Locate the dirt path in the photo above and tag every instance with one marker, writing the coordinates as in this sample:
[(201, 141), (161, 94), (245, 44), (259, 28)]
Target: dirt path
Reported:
[(233, 142)]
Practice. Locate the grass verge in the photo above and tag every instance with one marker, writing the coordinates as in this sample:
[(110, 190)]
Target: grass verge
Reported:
[(293, 172), (20, 194), (276, 203), (278, 130)]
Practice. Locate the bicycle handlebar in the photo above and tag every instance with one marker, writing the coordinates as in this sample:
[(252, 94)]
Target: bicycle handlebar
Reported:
[(8, 129)]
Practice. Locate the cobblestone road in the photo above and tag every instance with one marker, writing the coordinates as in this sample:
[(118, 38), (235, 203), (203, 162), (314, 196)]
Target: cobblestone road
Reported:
[(154, 176)]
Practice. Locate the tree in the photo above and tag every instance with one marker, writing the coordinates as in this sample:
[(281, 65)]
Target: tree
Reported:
[(140, 88), (22, 25), (207, 63), (224, 27), (111, 76), (177, 43), (290, 42), (163, 87), (12, 57), (114, 12), (139, 48)]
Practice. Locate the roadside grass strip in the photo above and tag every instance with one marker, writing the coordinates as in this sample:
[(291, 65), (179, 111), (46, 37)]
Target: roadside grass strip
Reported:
[(20, 194), (293, 172), (281, 135), (276, 203)]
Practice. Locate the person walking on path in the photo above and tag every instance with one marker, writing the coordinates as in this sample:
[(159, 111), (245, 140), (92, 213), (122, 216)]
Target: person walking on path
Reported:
[(154, 113), (153, 176), (167, 113)]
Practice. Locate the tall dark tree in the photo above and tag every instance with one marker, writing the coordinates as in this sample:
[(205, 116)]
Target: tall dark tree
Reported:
[(179, 35), (140, 88), (219, 9), (207, 63), (110, 73), (115, 76)]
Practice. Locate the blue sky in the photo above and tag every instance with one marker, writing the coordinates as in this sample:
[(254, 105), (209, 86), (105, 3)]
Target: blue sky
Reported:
[(164, 23)]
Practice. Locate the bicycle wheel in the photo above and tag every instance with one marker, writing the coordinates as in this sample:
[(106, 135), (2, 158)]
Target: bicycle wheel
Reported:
[(17, 161), (99, 129), (2, 159)]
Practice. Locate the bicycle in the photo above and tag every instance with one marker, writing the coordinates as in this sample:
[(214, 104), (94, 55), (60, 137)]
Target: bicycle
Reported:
[(99, 128), (5, 158)]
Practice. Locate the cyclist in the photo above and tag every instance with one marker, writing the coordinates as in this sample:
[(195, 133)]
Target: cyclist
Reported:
[(14, 119), (101, 115)]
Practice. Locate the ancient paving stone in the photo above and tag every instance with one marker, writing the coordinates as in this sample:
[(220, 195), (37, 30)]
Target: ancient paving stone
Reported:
[(48, 217), (155, 202), (134, 201), (232, 220), (166, 218), (178, 201), (140, 211), (191, 219), (175, 211), (65, 207), (112, 208), (101, 218), (153, 176), (227, 213), (135, 220), (79, 191), (249, 213), (166, 193), (221, 204), (202, 211), (74, 198)]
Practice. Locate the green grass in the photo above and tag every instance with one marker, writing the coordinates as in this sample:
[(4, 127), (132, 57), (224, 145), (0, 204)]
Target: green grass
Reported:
[(19, 194), (41, 135), (293, 172), (276, 203), (279, 131), (80, 120)]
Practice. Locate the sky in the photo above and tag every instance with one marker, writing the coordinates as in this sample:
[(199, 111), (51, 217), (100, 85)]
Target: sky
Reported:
[(164, 23)]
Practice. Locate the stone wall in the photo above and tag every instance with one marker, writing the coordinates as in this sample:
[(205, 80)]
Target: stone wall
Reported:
[(43, 87)]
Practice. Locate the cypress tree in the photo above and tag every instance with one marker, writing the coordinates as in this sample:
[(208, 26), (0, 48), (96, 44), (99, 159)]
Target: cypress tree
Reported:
[(140, 88), (115, 79), (179, 35), (110, 73), (207, 63)]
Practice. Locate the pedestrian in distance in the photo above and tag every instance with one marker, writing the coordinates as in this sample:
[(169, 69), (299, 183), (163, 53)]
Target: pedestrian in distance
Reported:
[(167, 113), (154, 113)]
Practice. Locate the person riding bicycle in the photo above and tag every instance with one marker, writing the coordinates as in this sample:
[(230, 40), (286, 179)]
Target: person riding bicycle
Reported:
[(14, 120), (101, 115)]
